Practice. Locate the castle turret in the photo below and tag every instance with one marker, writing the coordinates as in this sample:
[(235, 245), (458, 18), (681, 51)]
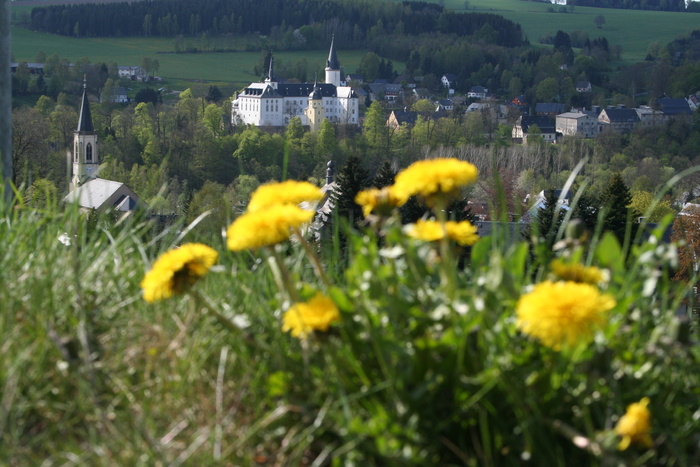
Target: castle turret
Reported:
[(333, 66), (315, 112), (85, 155)]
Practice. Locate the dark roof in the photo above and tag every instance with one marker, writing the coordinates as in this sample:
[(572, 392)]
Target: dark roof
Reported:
[(583, 84), (292, 90), (622, 115), (316, 94), (450, 77), (403, 116), (445, 102), (670, 106), (85, 119), (332, 63), (545, 124), (479, 89), (549, 108)]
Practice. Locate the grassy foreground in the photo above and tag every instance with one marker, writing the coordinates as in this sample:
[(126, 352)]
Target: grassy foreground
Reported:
[(427, 362)]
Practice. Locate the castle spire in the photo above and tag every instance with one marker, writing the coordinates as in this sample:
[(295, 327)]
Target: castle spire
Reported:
[(270, 73), (85, 120), (332, 63)]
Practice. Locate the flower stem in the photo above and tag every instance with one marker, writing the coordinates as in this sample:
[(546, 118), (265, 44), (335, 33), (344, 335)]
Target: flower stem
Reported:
[(314, 259)]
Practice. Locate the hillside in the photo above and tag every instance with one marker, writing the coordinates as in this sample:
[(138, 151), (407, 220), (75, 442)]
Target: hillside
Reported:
[(633, 30)]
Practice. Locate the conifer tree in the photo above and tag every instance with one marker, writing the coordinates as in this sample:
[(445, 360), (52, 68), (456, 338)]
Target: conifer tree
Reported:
[(351, 179), (385, 175), (616, 199)]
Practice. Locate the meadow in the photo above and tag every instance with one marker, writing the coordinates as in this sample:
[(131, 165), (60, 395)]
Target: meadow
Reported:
[(633, 30), (232, 69), (126, 344)]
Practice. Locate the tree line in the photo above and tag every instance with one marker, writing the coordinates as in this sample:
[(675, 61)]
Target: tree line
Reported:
[(350, 21)]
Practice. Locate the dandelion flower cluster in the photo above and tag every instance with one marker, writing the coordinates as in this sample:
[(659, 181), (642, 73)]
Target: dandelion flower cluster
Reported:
[(315, 315), (377, 200), (432, 177), (267, 227), (176, 270), (577, 272), (559, 313), (634, 426), (288, 192), (463, 233), (272, 215)]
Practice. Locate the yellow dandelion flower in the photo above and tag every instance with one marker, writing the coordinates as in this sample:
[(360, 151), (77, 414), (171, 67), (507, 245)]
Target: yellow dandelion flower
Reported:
[(262, 228), (463, 233), (315, 315), (634, 426), (431, 177), (380, 201), (577, 272), (288, 192), (176, 270), (559, 313)]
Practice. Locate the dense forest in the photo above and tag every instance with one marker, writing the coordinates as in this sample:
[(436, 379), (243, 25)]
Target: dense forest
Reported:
[(351, 22)]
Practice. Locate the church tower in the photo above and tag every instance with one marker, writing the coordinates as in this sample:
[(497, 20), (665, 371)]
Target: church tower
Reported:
[(315, 112), (333, 66), (85, 155)]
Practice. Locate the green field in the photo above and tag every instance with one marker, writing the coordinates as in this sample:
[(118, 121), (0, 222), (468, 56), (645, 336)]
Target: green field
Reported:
[(234, 68), (631, 29)]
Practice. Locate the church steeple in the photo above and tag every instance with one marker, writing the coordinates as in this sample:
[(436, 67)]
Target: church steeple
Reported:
[(85, 120), (333, 66), (85, 155)]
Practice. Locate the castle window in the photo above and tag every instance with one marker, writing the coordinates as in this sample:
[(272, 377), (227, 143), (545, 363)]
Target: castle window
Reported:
[(88, 152)]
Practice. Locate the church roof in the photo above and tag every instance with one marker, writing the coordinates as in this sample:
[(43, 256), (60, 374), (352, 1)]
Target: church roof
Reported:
[(85, 120), (332, 63), (99, 193)]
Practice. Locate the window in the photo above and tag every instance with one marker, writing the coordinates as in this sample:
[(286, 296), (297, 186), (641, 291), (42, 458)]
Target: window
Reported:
[(88, 153)]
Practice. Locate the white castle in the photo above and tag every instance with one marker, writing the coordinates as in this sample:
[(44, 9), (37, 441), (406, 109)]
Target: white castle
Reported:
[(271, 103)]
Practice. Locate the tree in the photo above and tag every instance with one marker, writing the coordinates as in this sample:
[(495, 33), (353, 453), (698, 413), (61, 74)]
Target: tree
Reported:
[(375, 129), (147, 94), (616, 200), (213, 94), (599, 21), (642, 200), (351, 179), (30, 134), (547, 90)]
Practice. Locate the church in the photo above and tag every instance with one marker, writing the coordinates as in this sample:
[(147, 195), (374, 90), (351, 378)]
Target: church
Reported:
[(272, 103), (88, 190)]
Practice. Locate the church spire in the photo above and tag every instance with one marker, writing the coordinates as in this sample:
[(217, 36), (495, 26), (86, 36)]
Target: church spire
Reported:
[(85, 120)]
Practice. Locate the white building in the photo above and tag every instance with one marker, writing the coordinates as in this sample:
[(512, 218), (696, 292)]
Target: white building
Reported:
[(578, 124), (272, 103)]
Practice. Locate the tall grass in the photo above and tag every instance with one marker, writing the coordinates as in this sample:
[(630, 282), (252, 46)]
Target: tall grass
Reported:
[(413, 374)]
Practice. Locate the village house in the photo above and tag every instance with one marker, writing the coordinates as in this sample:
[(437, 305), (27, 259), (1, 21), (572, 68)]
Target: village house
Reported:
[(583, 86), (580, 124), (618, 119), (397, 118), (477, 92), (134, 73), (522, 128), (549, 109), (449, 80)]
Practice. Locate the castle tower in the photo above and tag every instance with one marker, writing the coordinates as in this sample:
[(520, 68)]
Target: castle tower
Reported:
[(270, 79), (333, 66), (85, 156), (315, 112)]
